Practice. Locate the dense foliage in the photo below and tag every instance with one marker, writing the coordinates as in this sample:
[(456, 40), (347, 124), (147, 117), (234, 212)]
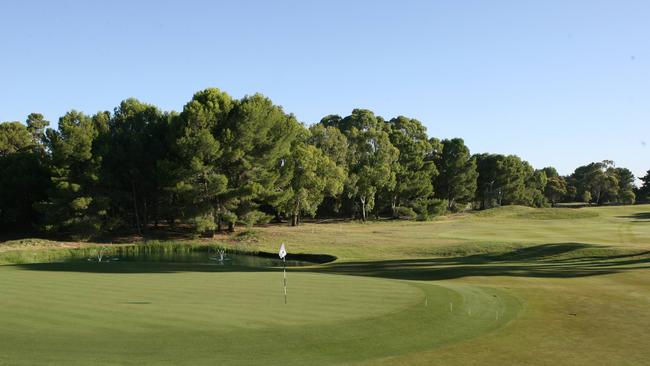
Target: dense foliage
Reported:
[(222, 162)]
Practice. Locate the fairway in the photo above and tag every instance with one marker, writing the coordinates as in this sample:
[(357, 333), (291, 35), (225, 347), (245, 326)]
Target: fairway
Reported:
[(144, 313)]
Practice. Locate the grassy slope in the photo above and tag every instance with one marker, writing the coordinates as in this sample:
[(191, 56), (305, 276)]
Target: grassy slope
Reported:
[(581, 275), (622, 229)]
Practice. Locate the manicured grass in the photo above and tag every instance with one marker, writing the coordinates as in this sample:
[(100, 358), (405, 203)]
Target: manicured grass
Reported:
[(569, 287), (153, 314)]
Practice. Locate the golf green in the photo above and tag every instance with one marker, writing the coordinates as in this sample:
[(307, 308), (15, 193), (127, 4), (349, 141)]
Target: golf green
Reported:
[(158, 313)]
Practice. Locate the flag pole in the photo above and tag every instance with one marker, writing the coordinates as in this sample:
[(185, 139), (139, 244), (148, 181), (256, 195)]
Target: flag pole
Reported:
[(284, 273), (283, 255)]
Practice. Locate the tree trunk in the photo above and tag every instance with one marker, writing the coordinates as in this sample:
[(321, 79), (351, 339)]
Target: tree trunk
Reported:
[(135, 208), (145, 216), (295, 214), (363, 209)]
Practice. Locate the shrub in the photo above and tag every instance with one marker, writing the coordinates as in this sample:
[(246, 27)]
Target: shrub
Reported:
[(627, 197), (405, 213), (255, 217)]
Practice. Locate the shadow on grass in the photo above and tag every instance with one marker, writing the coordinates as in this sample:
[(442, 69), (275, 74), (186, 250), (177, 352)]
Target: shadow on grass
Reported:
[(557, 260), (639, 216)]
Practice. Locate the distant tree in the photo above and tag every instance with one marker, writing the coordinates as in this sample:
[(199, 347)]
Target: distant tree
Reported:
[(556, 188), (414, 169), (24, 177), (331, 141), (314, 176), (457, 179), (586, 197), (130, 148), (626, 186), (371, 157), (74, 205), (14, 137), (257, 140), (36, 125), (486, 191), (627, 197), (597, 178), (505, 180), (643, 193), (334, 144), (551, 172), (535, 186), (202, 185)]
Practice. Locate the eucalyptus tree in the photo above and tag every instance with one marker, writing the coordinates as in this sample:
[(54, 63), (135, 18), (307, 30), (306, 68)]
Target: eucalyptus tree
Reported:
[(414, 169), (313, 176), (456, 182), (556, 188), (331, 141), (598, 179), (535, 185), (371, 157), (334, 145), (626, 186)]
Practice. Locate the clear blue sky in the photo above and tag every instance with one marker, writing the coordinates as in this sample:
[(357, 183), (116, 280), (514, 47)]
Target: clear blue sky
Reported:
[(558, 83)]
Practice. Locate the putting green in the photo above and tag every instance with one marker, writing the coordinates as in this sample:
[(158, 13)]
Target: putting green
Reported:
[(146, 313)]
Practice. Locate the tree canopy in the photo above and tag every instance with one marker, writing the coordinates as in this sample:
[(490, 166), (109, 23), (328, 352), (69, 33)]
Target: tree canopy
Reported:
[(223, 161)]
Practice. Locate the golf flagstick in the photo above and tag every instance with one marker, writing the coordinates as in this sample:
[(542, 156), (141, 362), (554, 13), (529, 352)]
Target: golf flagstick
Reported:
[(284, 273), (283, 254)]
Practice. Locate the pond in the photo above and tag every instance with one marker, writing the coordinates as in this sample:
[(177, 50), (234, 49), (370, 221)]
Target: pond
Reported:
[(186, 255)]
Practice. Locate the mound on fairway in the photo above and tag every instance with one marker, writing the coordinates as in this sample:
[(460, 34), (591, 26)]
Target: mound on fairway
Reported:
[(146, 313)]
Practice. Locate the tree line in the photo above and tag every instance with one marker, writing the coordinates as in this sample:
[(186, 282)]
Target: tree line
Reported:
[(224, 162)]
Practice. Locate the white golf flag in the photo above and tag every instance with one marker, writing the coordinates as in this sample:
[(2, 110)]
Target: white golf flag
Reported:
[(283, 252)]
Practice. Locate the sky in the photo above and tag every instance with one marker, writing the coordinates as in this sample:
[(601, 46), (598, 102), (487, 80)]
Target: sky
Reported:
[(559, 83)]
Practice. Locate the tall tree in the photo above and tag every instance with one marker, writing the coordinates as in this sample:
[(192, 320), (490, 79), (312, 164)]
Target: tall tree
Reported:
[(598, 179), (457, 179), (24, 177), (371, 156), (556, 188), (626, 186), (130, 149), (36, 125), (202, 185), (314, 176), (551, 172), (74, 205), (257, 140), (414, 170), (14, 137), (535, 187), (643, 193)]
